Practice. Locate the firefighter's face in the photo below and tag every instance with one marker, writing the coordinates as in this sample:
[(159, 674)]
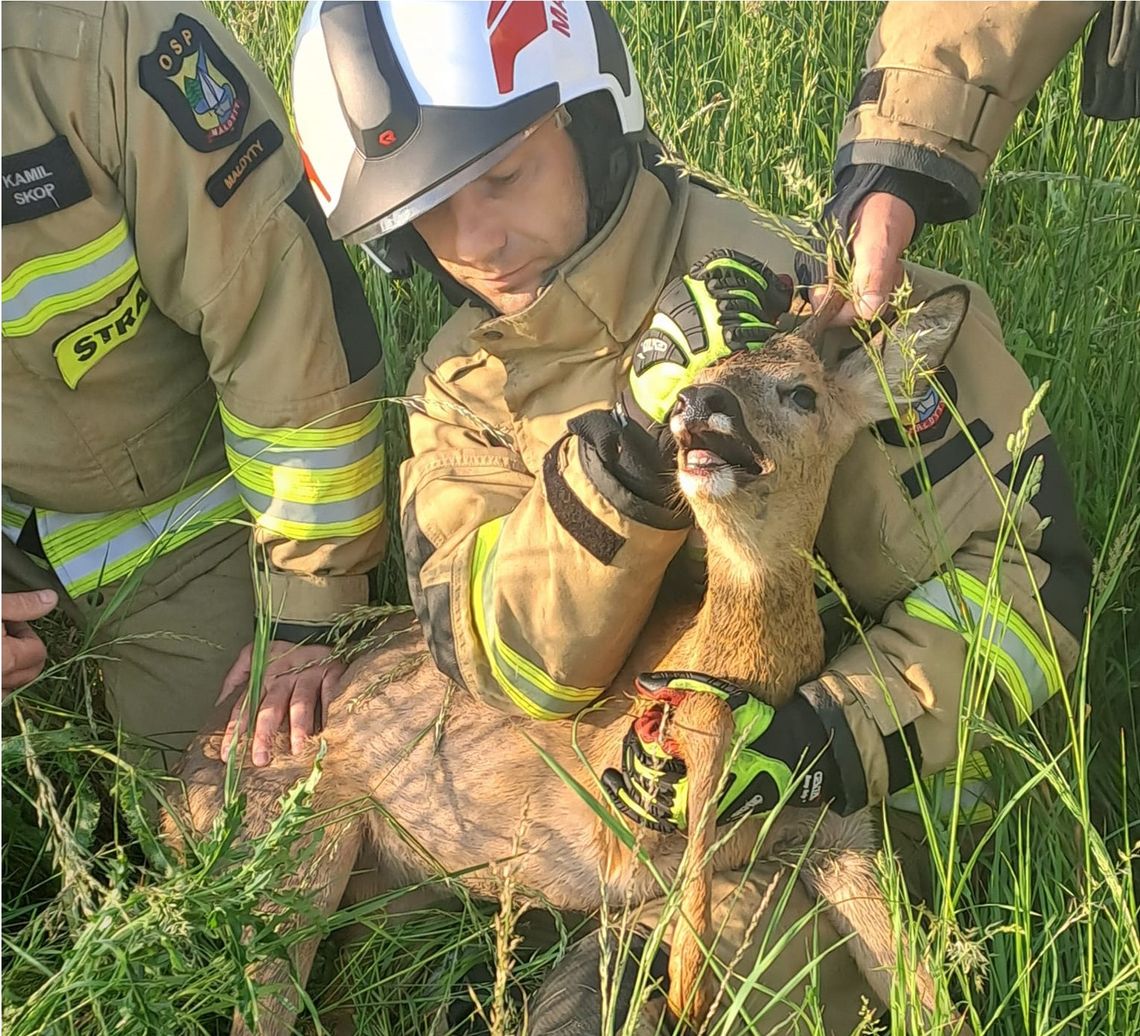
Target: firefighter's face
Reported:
[(502, 234)]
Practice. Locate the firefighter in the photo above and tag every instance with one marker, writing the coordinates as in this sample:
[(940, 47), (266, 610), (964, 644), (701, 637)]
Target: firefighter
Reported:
[(190, 367), (503, 147), (936, 101)]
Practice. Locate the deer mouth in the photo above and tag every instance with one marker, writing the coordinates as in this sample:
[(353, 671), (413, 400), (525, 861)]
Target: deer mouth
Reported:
[(716, 463)]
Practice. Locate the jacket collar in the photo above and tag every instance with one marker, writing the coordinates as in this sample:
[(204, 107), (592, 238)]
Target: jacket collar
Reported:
[(610, 284)]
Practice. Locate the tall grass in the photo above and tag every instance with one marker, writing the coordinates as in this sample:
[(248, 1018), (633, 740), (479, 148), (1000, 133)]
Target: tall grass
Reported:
[(105, 931)]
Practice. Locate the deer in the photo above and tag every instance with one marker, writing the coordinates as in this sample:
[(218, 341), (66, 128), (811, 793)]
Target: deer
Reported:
[(449, 791)]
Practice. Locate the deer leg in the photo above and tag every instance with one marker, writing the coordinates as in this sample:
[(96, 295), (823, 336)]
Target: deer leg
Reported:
[(324, 876), (702, 726), (332, 844), (842, 874)]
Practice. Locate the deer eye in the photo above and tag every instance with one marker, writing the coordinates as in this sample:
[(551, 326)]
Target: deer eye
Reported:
[(803, 398)]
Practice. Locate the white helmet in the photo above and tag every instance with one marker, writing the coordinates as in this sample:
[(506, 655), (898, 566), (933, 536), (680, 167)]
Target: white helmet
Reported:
[(400, 103)]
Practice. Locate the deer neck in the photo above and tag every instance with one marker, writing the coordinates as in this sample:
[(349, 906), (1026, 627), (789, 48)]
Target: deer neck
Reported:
[(758, 625)]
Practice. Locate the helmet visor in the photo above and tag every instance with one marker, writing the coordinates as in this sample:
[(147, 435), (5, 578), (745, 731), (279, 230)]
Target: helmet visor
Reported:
[(370, 237)]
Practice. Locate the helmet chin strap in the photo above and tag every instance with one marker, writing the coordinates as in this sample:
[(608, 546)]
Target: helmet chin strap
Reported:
[(606, 156)]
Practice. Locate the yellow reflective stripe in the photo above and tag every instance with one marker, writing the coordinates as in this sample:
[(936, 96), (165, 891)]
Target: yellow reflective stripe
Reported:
[(973, 796), (58, 262), (300, 438), (124, 566), (297, 530), (1006, 641), (1010, 676), (90, 550), (1046, 661), (77, 287), (534, 691), (308, 485), (14, 515)]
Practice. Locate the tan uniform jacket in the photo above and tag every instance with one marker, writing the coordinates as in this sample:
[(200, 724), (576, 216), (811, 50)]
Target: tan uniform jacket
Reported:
[(533, 586), (943, 85), (173, 302)]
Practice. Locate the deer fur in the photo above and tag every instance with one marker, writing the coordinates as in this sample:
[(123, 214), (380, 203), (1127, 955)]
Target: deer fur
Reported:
[(457, 786)]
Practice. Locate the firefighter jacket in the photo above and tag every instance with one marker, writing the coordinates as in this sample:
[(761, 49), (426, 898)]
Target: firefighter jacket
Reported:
[(939, 95), (533, 571), (181, 335)]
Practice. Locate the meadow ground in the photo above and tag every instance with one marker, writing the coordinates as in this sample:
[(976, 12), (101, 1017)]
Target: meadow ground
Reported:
[(103, 931)]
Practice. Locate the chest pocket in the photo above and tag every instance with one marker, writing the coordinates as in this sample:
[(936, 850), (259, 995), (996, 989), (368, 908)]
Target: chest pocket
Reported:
[(97, 280)]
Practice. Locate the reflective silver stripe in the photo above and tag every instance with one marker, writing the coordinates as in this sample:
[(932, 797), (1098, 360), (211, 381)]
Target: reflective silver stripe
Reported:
[(49, 285), (560, 707), (146, 533), (975, 798), (332, 457), (992, 630), (314, 514)]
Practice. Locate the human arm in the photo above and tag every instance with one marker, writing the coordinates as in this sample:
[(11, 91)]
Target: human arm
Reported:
[(232, 248), (939, 96), (535, 596), (935, 103)]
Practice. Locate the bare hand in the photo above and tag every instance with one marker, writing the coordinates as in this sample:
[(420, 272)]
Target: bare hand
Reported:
[(297, 684), (881, 228), (24, 653)]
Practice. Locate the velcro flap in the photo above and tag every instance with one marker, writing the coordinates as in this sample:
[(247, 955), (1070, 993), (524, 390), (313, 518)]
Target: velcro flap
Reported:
[(965, 112)]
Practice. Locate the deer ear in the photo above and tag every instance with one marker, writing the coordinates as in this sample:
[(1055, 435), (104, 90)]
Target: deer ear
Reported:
[(921, 342)]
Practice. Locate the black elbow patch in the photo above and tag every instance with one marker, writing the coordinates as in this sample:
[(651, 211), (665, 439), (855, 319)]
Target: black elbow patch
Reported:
[(354, 323), (948, 458), (587, 529), (1065, 592), (433, 605)]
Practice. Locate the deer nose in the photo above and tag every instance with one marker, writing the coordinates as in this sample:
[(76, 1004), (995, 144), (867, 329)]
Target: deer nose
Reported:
[(706, 406)]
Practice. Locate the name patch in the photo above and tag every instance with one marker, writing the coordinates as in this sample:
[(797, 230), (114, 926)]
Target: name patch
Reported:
[(79, 350), (246, 157), (197, 86), (42, 180)]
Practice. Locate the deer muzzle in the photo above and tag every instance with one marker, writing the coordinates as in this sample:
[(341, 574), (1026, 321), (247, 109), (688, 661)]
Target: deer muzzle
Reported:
[(715, 451)]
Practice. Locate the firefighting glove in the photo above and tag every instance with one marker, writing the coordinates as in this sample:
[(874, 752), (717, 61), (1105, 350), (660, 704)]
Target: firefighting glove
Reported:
[(775, 749), (725, 303), (644, 462)]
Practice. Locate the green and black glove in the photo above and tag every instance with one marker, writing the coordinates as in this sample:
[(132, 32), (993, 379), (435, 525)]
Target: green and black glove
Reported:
[(778, 748), (725, 303)]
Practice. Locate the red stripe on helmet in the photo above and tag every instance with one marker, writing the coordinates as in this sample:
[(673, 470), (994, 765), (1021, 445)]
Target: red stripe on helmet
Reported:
[(523, 23), (311, 173), (493, 8)]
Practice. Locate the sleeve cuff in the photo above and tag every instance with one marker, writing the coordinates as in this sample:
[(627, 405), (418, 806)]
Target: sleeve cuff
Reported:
[(311, 603), (863, 718), (855, 182), (952, 191), (624, 500)]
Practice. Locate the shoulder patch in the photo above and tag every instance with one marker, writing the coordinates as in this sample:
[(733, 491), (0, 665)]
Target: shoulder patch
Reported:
[(41, 180), (198, 87), (929, 417), (246, 157)]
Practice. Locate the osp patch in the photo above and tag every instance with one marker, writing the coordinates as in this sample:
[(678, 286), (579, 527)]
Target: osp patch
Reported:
[(197, 86), (928, 417)]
